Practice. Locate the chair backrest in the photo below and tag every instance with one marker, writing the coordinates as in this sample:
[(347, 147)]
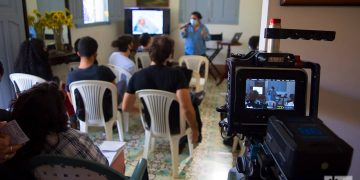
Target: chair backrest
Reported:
[(143, 58), (158, 104), (120, 73), (23, 81), (72, 66), (92, 93), (61, 167), (194, 63)]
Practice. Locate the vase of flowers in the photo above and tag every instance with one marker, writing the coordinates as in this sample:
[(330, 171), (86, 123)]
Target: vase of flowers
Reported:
[(38, 22), (56, 20)]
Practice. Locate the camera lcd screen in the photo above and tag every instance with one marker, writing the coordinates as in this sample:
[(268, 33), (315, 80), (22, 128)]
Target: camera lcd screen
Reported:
[(270, 94)]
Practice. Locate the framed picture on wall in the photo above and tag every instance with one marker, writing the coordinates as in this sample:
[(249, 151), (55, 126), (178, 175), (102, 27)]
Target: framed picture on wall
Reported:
[(320, 2), (152, 3)]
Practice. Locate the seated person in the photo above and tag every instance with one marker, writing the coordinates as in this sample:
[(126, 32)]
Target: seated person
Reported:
[(159, 76), (7, 150), (88, 70), (41, 114), (120, 58), (33, 59), (4, 115), (145, 42), (77, 50)]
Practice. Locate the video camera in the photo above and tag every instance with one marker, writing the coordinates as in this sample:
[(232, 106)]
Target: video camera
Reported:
[(266, 102)]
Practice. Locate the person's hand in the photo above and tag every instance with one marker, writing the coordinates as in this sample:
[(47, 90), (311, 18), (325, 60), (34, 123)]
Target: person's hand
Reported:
[(7, 151), (195, 136), (204, 33)]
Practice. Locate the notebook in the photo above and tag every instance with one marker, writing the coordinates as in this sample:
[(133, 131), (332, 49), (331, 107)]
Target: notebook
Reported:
[(236, 37)]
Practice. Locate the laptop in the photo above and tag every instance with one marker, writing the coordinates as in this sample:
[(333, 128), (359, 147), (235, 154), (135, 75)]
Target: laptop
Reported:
[(236, 37)]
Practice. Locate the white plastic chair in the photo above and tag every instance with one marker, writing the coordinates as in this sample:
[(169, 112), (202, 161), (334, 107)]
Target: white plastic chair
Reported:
[(158, 105), (23, 81), (92, 93), (143, 58), (194, 63), (120, 74), (72, 66)]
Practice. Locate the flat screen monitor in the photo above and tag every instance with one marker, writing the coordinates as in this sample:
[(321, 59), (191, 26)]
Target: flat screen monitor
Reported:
[(270, 94), (147, 20), (264, 92)]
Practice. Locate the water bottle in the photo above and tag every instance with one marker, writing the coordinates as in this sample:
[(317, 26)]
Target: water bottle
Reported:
[(273, 45)]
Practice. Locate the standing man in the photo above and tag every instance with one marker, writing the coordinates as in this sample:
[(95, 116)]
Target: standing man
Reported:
[(195, 34)]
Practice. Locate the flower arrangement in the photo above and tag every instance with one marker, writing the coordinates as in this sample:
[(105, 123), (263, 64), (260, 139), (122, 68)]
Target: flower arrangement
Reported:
[(38, 22), (54, 20), (57, 19)]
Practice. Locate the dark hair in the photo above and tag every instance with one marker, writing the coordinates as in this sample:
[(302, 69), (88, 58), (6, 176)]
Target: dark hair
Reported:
[(33, 59), (39, 111), (122, 43), (76, 44), (1, 69), (87, 46), (254, 42), (161, 48), (197, 14), (145, 39)]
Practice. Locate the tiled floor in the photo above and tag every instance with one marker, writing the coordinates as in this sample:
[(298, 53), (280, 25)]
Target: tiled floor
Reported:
[(211, 159)]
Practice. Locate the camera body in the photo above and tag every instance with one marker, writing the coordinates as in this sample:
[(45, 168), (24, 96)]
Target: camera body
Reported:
[(266, 102)]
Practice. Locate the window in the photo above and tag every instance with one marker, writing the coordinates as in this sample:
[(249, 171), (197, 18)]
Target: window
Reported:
[(95, 11)]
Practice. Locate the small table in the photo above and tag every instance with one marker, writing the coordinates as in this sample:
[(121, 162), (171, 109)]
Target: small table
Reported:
[(228, 44), (114, 153), (59, 57)]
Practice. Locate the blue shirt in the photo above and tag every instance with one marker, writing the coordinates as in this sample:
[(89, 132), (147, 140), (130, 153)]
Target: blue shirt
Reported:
[(194, 42)]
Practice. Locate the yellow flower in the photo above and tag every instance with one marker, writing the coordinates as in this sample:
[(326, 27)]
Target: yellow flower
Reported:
[(53, 19)]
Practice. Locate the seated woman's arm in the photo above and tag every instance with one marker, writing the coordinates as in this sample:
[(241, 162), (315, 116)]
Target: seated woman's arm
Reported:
[(186, 107)]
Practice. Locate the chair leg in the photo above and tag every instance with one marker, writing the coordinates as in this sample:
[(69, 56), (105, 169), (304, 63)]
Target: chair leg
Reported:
[(109, 131), (126, 121), (120, 126), (152, 146), (83, 126), (190, 144), (174, 145), (146, 144)]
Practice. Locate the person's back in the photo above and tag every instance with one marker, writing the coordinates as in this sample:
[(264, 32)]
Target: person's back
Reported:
[(121, 58), (40, 113), (160, 77), (87, 70), (33, 59)]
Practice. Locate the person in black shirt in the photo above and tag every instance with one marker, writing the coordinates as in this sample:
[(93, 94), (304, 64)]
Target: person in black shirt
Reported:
[(88, 70), (159, 76)]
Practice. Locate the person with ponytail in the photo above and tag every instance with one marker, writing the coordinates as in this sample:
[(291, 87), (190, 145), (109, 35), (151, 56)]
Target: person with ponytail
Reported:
[(124, 45)]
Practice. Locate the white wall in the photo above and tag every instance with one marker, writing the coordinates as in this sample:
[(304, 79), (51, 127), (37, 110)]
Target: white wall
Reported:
[(249, 24), (104, 35), (339, 104)]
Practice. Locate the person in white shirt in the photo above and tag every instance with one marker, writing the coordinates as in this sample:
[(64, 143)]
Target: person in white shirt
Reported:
[(120, 58)]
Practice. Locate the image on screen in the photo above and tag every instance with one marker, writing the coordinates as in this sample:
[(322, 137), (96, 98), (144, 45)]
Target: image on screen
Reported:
[(147, 21), (271, 94)]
